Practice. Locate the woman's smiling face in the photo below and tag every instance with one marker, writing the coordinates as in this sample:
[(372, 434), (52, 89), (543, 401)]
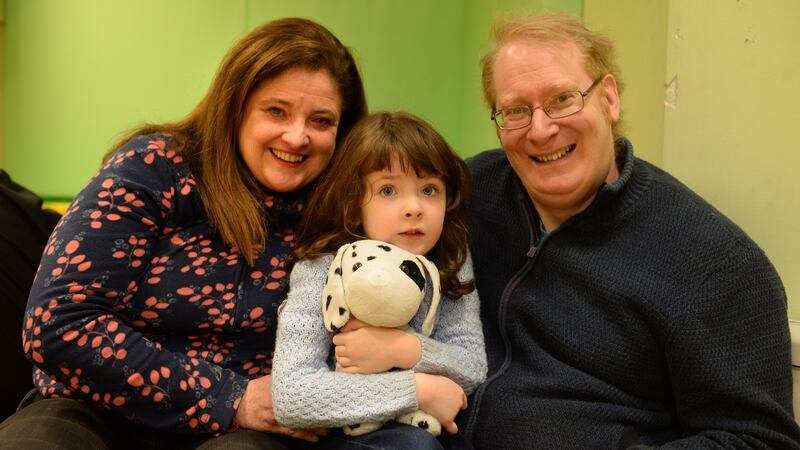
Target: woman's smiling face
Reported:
[(288, 134)]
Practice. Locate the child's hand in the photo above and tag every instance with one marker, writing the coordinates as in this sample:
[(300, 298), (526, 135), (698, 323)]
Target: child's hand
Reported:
[(440, 397), (361, 348)]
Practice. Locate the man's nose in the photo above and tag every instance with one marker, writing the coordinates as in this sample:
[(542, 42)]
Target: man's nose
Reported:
[(542, 127)]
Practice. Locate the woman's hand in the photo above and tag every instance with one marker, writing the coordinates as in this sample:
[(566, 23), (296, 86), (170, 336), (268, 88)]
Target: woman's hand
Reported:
[(361, 348), (255, 412), (440, 397)]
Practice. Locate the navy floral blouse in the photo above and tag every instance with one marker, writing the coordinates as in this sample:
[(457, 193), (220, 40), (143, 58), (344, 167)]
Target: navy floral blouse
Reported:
[(141, 308)]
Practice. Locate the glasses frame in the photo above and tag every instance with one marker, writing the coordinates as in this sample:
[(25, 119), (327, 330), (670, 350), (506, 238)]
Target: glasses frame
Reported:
[(497, 112)]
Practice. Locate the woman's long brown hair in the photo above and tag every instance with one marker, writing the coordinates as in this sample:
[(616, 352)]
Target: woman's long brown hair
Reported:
[(208, 137)]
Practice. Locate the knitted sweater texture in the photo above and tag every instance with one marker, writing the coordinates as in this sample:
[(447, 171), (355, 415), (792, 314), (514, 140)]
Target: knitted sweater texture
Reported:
[(649, 319), (141, 308), (308, 393)]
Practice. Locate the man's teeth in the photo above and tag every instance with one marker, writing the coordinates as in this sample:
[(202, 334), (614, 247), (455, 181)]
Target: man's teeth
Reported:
[(288, 157), (555, 156)]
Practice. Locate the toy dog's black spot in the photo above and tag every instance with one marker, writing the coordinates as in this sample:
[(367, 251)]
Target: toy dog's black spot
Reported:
[(409, 268), (423, 424), (354, 255), (355, 426), (335, 328), (328, 302), (342, 311), (370, 258), (356, 266), (338, 271), (385, 248)]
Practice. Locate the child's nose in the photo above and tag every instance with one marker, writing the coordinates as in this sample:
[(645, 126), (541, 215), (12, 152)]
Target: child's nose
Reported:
[(413, 208)]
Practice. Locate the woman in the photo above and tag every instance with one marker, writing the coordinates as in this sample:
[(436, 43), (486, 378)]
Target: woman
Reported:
[(156, 299)]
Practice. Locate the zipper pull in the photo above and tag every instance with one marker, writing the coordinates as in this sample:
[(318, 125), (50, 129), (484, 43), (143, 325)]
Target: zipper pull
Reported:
[(531, 251)]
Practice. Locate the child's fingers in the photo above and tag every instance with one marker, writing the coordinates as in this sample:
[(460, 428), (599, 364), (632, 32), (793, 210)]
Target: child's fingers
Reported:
[(352, 325), (450, 427)]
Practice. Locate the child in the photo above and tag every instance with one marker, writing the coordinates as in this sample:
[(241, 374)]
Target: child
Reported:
[(394, 179)]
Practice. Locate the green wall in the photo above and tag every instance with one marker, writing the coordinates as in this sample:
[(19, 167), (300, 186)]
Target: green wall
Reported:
[(79, 73), (712, 98)]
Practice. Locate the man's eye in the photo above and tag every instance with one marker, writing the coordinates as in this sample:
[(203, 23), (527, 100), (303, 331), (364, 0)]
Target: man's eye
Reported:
[(516, 111), (562, 98)]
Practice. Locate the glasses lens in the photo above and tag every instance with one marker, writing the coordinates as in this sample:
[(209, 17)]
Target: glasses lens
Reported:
[(516, 117), (564, 104)]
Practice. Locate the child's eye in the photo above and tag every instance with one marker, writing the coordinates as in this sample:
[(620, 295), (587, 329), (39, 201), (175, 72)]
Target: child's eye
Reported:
[(387, 191), (430, 190)]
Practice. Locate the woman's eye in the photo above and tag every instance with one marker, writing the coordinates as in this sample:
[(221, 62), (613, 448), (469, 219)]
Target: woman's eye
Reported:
[(323, 122), (275, 111), (387, 191)]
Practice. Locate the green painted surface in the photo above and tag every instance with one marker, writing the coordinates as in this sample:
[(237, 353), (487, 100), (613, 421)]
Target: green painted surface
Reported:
[(79, 73)]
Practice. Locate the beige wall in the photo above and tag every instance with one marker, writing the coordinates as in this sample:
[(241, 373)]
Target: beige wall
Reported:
[(726, 102), (638, 29)]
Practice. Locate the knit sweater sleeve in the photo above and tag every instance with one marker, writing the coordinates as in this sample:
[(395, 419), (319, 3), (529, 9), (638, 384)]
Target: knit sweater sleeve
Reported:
[(307, 392), (456, 349), (729, 361)]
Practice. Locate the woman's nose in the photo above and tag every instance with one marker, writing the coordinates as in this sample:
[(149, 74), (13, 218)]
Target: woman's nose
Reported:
[(296, 135)]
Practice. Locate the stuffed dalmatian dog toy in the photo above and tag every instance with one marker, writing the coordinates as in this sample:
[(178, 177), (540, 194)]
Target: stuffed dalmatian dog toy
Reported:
[(382, 285)]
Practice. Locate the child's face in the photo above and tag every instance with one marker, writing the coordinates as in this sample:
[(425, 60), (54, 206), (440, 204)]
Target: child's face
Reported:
[(403, 209)]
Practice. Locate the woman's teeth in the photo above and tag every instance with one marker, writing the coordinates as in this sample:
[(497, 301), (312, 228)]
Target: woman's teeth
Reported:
[(288, 157), (555, 156)]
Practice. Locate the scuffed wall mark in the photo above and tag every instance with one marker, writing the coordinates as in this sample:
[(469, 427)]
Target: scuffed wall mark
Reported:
[(671, 94), (678, 35), (749, 39)]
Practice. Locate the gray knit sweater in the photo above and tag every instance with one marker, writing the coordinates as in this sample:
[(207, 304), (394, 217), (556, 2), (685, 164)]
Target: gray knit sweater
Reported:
[(308, 393)]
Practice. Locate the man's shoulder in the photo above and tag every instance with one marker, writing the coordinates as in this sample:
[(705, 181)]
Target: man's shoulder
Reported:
[(487, 160), (696, 221)]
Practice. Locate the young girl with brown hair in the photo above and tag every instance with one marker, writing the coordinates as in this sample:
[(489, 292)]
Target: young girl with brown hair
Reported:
[(394, 179)]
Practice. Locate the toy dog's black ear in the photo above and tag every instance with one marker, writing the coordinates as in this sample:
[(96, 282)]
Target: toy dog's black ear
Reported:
[(334, 301), (411, 269), (433, 272)]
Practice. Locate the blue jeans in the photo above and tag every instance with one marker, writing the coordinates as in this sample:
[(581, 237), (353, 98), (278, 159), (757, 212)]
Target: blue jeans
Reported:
[(392, 436)]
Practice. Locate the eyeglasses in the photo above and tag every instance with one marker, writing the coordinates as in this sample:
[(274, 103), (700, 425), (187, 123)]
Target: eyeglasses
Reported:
[(556, 107)]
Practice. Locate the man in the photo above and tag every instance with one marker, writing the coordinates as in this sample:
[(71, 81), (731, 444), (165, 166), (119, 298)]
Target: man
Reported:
[(619, 308)]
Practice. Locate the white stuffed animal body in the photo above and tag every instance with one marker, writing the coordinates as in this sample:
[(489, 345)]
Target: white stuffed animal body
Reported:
[(382, 285)]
